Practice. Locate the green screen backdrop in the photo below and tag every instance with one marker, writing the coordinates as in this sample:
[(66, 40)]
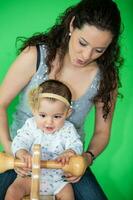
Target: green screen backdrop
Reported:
[(113, 168)]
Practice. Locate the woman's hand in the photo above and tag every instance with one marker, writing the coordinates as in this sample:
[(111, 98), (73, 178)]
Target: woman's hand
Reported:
[(73, 179), (64, 159), (25, 157), (70, 178)]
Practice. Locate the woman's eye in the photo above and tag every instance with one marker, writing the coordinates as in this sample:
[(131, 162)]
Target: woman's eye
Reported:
[(82, 43), (99, 50)]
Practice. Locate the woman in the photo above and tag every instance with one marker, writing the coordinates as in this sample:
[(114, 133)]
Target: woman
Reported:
[(82, 51)]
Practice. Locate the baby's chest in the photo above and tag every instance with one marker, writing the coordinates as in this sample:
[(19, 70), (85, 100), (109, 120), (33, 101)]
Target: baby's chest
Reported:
[(51, 147)]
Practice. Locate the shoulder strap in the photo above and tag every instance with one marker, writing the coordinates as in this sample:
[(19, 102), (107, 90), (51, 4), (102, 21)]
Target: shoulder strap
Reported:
[(38, 57)]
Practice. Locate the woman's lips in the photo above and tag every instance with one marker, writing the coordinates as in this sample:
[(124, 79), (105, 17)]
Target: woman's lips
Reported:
[(80, 61)]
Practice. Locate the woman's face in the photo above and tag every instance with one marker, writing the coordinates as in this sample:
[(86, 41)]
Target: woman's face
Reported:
[(87, 44)]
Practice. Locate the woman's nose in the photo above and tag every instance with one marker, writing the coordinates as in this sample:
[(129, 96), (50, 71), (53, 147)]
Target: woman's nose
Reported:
[(87, 53)]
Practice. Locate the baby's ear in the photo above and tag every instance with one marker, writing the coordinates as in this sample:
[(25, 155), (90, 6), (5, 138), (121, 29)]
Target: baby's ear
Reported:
[(69, 112)]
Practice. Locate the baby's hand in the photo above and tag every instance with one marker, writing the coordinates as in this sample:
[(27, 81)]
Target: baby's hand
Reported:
[(25, 157), (65, 157)]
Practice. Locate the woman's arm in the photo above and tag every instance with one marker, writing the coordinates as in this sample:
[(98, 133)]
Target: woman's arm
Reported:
[(102, 129), (18, 76), (100, 137)]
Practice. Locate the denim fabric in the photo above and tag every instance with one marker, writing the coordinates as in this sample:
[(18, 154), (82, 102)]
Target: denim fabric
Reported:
[(88, 188), (6, 179)]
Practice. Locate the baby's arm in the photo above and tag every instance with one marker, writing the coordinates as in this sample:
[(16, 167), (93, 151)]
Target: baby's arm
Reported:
[(71, 142), (71, 139), (21, 146), (24, 138), (65, 156)]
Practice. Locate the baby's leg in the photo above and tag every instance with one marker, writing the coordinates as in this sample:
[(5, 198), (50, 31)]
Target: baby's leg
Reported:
[(66, 193), (19, 188)]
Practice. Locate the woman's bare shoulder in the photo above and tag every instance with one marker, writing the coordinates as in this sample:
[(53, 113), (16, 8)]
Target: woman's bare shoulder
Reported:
[(19, 74)]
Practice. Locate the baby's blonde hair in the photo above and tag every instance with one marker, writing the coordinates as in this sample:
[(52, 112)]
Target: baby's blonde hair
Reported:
[(49, 86), (33, 98)]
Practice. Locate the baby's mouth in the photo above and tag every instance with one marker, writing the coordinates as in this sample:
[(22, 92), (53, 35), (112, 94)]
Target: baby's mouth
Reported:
[(48, 128)]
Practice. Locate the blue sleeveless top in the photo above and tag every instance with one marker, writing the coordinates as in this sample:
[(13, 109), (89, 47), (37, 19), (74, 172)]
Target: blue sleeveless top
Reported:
[(81, 107)]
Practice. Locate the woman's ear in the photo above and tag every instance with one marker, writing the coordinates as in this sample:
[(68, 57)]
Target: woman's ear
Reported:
[(71, 25)]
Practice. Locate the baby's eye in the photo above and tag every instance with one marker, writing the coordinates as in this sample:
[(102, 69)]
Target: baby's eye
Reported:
[(42, 115), (57, 116)]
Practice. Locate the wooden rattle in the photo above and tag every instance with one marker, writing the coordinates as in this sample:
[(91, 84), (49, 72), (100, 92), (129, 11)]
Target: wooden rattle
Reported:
[(77, 164), (35, 183)]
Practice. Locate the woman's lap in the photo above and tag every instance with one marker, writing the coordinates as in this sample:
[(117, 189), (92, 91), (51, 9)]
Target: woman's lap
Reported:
[(88, 188), (6, 180)]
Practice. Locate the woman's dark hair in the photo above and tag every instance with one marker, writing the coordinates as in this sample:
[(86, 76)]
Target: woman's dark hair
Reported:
[(102, 14)]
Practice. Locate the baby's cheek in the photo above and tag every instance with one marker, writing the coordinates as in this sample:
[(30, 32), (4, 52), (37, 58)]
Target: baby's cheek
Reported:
[(60, 124), (40, 124)]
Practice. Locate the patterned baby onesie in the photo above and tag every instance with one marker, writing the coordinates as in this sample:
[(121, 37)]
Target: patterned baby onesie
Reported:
[(52, 145)]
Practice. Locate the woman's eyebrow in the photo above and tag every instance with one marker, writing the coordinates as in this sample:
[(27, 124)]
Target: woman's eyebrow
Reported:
[(84, 40)]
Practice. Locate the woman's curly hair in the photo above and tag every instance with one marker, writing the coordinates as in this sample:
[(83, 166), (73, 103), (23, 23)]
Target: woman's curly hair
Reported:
[(102, 14)]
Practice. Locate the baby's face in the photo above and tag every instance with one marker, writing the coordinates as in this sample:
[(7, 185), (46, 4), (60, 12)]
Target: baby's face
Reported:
[(51, 115)]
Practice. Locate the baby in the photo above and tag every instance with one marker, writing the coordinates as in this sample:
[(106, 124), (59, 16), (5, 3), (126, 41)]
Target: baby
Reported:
[(51, 105)]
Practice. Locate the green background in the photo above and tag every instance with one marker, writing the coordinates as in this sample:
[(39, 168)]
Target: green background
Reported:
[(113, 168)]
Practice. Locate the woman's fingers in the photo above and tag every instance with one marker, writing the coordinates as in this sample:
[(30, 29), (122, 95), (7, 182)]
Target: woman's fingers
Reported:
[(67, 174), (28, 161), (70, 178), (73, 179), (21, 172)]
